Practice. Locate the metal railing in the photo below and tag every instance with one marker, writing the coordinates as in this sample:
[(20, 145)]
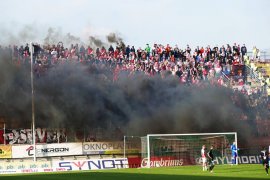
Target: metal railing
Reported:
[(226, 79), (264, 55), (253, 74)]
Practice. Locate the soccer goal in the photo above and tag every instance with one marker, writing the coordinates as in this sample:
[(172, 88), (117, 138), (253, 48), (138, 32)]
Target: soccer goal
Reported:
[(182, 149)]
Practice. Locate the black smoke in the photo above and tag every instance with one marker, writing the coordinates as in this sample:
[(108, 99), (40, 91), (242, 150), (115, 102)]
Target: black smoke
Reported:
[(114, 38), (77, 96), (94, 41)]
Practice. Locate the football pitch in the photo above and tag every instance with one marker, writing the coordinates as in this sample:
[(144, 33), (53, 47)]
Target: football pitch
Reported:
[(221, 172)]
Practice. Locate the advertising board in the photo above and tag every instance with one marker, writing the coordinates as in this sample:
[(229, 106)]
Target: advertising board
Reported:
[(25, 167), (5, 151), (91, 164), (45, 150), (108, 148)]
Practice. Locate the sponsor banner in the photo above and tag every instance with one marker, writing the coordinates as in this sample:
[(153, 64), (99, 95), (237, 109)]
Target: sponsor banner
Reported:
[(134, 162), (8, 171), (41, 170), (24, 167), (45, 150), (5, 151), (162, 161), (91, 164), (249, 159), (24, 136), (109, 148), (32, 170)]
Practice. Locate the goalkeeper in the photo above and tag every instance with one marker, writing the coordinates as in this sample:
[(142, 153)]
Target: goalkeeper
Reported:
[(211, 163), (234, 150)]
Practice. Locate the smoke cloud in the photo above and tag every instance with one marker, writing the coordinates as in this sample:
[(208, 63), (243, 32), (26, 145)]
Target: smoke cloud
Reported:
[(116, 39), (54, 36), (23, 35), (20, 35), (94, 41), (32, 33), (76, 96)]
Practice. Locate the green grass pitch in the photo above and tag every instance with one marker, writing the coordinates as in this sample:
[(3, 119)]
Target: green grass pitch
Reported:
[(221, 172)]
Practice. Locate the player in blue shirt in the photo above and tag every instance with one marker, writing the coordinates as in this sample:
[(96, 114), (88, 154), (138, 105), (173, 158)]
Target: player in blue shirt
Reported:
[(234, 150)]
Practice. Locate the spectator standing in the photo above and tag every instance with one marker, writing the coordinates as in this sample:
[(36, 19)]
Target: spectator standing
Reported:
[(132, 49), (243, 51), (139, 53), (258, 54), (127, 53), (148, 50), (26, 49), (254, 53), (188, 49), (82, 52)]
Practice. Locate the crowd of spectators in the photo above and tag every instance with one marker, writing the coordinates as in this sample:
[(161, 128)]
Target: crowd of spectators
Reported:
[(223, 65), (202, 63)]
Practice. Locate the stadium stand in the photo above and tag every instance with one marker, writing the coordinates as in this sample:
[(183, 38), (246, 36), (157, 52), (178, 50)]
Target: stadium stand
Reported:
[(227, 65)]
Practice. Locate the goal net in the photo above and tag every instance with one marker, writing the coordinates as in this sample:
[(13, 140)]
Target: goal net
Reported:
[(183, 149)]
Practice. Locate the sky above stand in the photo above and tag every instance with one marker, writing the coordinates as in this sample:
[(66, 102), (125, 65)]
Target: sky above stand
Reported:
[(193, 22)]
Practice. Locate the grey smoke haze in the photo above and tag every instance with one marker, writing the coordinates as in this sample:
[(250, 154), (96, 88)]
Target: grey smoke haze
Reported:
[(56, 35), (25, 34), (94, 41), (33, 33), (78, 96), (116, 39)]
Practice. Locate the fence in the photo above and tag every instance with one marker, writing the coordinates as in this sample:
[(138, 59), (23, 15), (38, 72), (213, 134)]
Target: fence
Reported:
[(265, 55)]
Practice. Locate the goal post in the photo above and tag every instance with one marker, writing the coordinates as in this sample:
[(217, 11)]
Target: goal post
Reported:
[(131, 145), (182, 149)]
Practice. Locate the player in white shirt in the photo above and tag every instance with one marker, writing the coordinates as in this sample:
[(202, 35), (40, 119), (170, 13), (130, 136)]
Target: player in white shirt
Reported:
[(204, 159)]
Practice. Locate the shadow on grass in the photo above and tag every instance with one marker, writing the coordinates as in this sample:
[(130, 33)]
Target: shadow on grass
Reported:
[(120, 176)]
